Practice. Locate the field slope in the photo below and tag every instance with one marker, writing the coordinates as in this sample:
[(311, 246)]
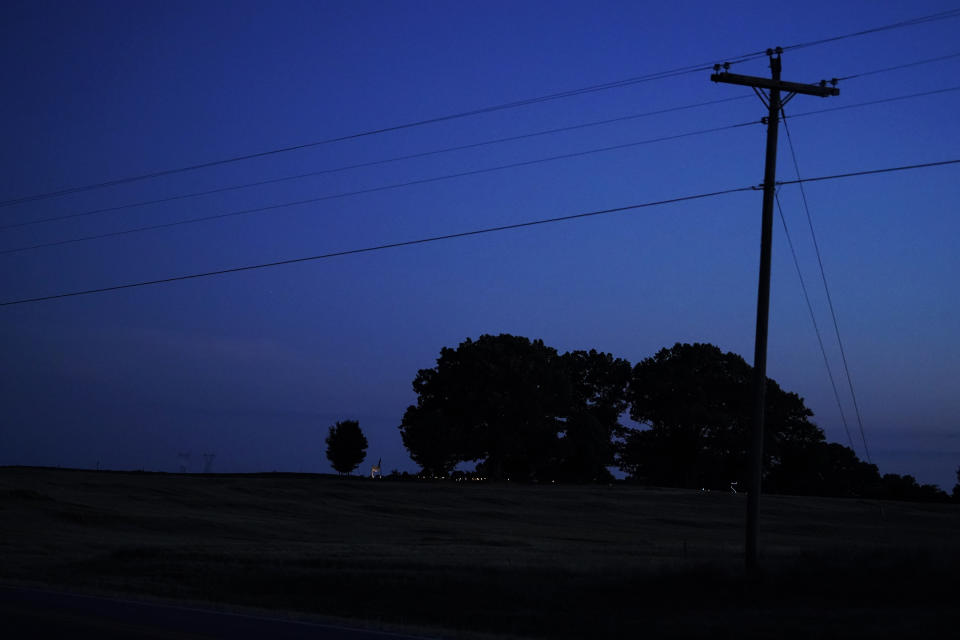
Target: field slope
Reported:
[(516, 560)]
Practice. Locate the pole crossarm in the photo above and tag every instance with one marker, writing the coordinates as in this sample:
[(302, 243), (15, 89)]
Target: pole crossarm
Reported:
[(820, 90)]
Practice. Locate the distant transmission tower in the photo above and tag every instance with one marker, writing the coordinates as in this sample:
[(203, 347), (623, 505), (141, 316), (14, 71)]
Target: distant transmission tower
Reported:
[(208, 461), (184, 461)]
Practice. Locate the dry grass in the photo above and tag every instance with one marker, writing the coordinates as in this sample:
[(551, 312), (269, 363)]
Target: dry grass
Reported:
[(549, 561)]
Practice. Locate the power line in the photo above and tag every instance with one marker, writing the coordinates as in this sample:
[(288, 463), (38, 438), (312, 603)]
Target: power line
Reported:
[(284, 205), (826, 288), (934, 17), (464, 234), (900, 66), (813, 318), (482, 110), (871, 172), (399, 185), (392, 245), (419, 123), (374, 163), (475, 145), (873, 102)]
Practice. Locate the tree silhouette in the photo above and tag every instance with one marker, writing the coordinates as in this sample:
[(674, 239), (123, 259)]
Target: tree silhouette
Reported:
[(824, 469), (598, 385), (518, 408), (495, 399), (696, 403), (897, 487), (956, 487), (432, 442), (346, 446)]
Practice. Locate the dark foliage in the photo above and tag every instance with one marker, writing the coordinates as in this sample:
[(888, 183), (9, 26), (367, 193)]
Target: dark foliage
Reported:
[(522, 411), (956, 488), (346, 446), (824, 469), (896, 487), (696, 402), (598, 383), (519, 408), (431, 444)]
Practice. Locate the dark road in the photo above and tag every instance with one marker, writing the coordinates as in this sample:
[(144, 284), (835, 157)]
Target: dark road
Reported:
[(33, 613)]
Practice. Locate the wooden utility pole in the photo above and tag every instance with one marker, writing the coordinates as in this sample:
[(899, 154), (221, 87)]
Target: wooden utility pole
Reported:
[(774, 86)]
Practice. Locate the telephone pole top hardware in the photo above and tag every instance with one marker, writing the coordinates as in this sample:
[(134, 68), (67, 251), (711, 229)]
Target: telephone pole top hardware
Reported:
[(773, 86)]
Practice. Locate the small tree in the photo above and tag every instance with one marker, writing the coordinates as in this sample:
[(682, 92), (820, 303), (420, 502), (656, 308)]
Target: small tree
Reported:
[(346, 446), (956, 488)]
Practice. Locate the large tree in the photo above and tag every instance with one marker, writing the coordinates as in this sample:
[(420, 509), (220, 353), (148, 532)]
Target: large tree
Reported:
[(518, 408), (695, 401), (585, 447), (346, 446)]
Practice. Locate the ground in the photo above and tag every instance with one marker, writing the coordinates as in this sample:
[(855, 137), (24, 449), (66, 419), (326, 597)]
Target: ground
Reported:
[(503, 559)]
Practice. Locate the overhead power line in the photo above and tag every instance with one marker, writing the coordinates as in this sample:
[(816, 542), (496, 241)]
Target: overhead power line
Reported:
[(284, 205), (372, 132), (399, 185), (464, 234), (373, 163), (475, 145), (813, 319), (826, 288), (943, 15), (873, 102), (871, 172), (934, 17), (392, 245), (897, 67)]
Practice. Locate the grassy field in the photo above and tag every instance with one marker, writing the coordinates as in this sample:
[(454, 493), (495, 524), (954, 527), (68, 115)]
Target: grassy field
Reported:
[(513, 560)]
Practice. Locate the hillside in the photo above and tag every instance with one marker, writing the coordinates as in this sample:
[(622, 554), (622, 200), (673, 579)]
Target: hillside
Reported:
[(524, 560)]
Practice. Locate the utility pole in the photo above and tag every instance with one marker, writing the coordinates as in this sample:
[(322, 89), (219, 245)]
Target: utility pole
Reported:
[(774, 86)]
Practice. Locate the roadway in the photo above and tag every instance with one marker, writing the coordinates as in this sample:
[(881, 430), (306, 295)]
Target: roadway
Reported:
[(38, 613)]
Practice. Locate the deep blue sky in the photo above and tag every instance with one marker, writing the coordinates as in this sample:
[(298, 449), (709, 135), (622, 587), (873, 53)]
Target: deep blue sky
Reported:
[(254, 366)]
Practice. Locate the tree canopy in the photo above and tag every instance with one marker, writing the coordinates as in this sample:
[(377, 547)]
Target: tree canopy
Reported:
[(521, 410), (346, 446), (823, 469), (696, 402), (518, 408)]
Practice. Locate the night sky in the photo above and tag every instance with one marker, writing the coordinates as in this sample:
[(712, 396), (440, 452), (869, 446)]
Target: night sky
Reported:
[(254, 366)]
